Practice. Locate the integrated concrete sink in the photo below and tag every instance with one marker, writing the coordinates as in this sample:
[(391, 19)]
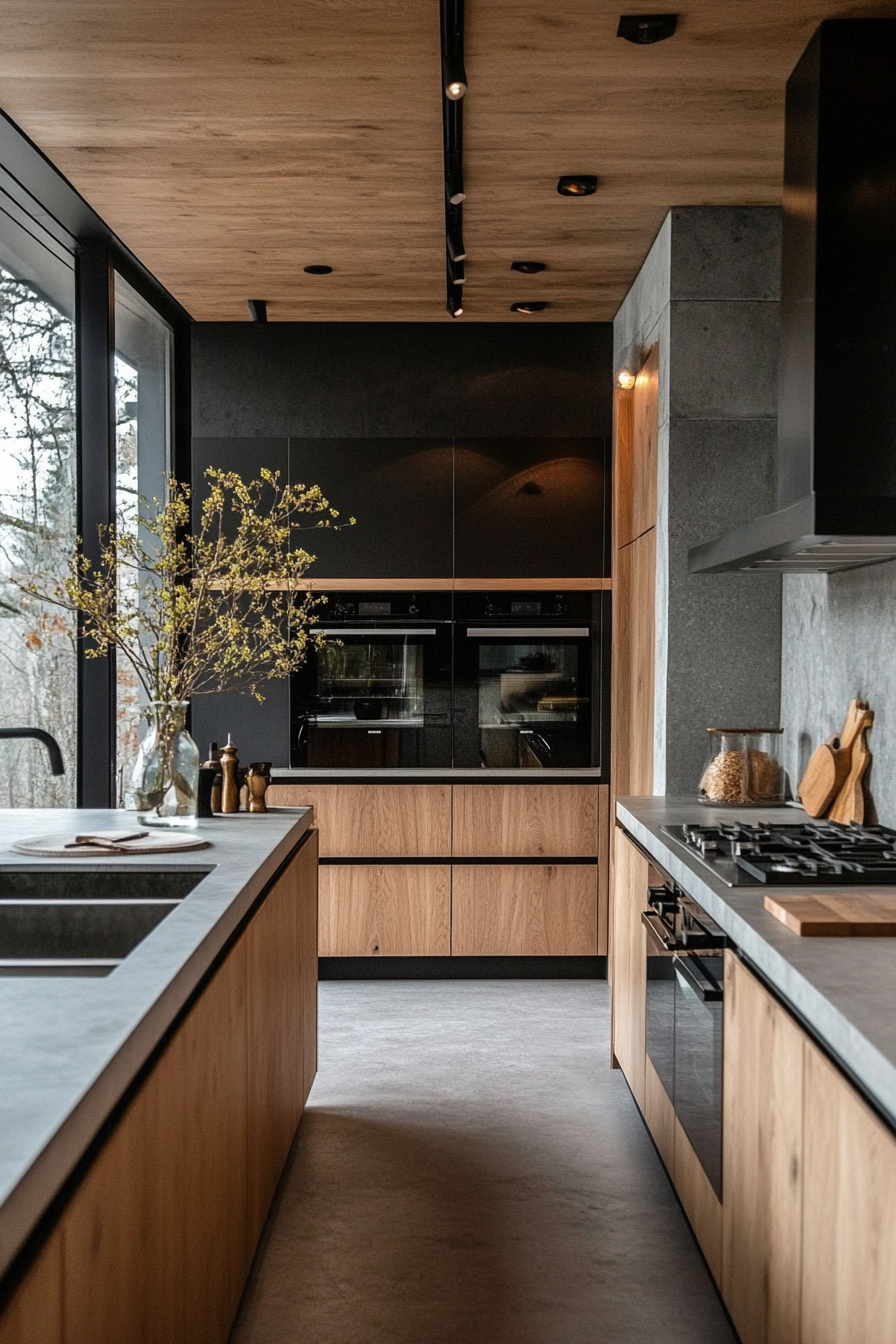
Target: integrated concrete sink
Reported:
[(74, 922)]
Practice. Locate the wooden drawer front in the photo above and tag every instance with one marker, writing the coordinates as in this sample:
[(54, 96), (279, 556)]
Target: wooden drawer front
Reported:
[(385, 910), (519, 821), (524, 910), (375, 820)]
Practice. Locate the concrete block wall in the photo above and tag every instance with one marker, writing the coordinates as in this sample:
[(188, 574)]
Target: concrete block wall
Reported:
[(709, 293)]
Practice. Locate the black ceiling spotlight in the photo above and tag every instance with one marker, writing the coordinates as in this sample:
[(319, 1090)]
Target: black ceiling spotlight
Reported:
[(318, 270), (644, 29), (454, 87), (258, 309), (528, 267), (538, 307), (577, 184)]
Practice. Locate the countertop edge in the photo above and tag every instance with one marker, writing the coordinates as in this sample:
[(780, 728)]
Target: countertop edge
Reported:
[(33, 1196), (872, 1071)]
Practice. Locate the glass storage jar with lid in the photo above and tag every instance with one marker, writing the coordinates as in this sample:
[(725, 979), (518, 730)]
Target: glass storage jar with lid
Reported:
[(743, 767)]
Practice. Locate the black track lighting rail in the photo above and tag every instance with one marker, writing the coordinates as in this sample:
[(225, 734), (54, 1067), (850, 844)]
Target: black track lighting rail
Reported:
[(454, 88)]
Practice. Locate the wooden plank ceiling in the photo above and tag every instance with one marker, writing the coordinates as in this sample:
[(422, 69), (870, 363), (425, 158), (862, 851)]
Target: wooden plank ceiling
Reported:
[(230, 143)]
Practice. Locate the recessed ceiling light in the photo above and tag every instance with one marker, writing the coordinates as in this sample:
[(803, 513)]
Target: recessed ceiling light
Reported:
[(528, 267), (258, 309), (528, 307), (644, 29), (318, 270), (577, 184)]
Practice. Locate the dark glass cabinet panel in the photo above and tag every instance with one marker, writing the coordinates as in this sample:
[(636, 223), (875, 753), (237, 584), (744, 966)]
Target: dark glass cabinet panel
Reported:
[(530, 508), (400, 493)]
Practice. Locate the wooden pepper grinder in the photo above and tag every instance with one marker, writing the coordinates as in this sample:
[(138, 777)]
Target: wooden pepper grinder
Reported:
[(230, 789), (258, 777)]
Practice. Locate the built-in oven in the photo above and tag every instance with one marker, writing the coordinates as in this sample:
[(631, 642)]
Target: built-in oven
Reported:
[(529, 679), (377, 693), (685, 1016)]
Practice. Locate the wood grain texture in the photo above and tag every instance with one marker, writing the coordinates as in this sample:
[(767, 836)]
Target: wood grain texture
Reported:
[(525, 821), (849, 1216), (762, 1161), (210, 1054), (634, 651), (444, 585), (604, 830), (374, 820), (275, 1049), (307, 921), (124, 1228), (184, 131), (699, 1201), (628, 955), (34, 1313), (660, 1116), (385, 910), (871, 915), (533, 910), (637, 437)]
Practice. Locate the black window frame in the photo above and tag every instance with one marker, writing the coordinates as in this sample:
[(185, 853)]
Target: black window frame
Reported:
[(98, 253)]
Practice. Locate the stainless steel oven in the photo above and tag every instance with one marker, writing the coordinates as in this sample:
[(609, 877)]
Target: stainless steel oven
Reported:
[(529, 680), (685, 1016), (378, 691)]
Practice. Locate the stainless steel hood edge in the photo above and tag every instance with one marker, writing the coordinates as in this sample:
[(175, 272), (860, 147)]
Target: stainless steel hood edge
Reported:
[(786, 541)]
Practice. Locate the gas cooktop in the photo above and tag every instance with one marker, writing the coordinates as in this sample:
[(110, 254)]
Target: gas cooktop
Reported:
[(817, 853)]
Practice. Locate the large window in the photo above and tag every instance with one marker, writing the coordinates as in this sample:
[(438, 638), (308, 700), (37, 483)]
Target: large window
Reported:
[(38, 506), (143, 403)]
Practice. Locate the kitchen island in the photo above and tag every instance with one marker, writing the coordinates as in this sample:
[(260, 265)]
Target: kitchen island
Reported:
[(204, 1034)]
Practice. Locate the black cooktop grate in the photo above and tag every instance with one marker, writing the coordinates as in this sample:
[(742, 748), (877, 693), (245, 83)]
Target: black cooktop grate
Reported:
[(800, 854)]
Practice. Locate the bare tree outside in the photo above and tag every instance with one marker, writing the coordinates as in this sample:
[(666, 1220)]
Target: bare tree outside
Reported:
[(38, 667)]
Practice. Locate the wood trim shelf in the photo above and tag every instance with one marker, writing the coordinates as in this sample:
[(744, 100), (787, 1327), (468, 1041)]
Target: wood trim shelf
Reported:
[(321, 585)]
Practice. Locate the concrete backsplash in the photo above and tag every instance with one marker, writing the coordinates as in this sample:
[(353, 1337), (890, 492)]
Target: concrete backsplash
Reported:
[(839, 642)]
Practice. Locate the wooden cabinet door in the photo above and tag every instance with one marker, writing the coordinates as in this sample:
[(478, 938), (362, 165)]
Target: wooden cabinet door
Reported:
[(629, 960), (520, 821), (385, 910), (637, 436), (634, 652), (762, 1161), (155, 1236), (533, 910), (849, 1213), (275, 1050), (375, 820), (34, 1314)]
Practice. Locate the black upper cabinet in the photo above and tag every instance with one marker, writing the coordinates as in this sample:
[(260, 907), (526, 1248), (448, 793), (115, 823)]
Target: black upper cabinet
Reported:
[(247, 457), (400, 493), (530, 508)]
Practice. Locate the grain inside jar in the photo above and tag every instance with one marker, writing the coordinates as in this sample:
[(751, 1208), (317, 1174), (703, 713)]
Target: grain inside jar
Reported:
[(743, 767)]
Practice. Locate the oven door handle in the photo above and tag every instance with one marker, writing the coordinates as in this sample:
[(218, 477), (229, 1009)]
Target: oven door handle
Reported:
[(707, 990), (657, 932)]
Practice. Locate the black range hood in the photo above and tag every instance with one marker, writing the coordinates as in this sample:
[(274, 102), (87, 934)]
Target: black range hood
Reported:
[(837, 404)]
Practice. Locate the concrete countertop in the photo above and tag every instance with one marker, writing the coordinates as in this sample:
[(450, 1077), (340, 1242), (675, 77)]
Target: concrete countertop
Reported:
[(843, 989), (422, 775), (71, 1046)]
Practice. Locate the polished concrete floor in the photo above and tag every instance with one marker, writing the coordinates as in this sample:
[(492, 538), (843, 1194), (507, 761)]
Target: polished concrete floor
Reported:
[(470, 1171)]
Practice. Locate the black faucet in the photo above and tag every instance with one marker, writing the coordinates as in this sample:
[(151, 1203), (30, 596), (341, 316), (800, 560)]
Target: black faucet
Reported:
[(52, 746)]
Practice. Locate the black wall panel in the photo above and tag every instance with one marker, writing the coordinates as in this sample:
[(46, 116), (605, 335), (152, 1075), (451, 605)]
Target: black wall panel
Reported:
[(402, 379)]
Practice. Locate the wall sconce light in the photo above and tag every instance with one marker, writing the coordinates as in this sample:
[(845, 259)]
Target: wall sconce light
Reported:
[(455, 302), (456, 250), (626, 379), (577, 184), (258, 309), (628, 362), (644, 29)]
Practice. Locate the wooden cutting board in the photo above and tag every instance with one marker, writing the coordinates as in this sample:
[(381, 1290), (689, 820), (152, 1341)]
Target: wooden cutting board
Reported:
[(157, 842), (866, 915)]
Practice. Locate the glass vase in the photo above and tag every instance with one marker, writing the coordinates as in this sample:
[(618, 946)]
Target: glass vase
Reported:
[(165, 782)]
